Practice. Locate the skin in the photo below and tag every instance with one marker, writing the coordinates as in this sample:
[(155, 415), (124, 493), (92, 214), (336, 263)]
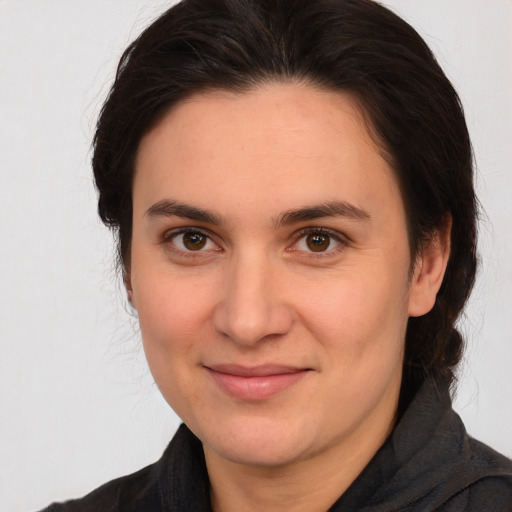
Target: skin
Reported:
[(256, 293)]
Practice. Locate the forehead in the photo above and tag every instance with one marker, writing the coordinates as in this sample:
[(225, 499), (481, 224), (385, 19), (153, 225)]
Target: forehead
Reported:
[(277, 146)]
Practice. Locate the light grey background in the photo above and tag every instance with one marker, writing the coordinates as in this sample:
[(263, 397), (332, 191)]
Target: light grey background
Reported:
[(77, 404)]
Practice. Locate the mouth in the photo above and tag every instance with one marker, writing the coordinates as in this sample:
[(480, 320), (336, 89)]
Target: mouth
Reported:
[(257, 382)]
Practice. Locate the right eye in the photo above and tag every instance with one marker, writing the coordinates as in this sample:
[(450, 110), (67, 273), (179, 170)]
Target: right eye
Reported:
[(191, 241)]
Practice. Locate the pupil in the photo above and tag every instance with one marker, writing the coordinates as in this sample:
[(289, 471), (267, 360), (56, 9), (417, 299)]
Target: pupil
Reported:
[(194, 241), (318, 243)]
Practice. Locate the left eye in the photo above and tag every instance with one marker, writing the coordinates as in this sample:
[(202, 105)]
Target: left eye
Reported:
[(192, 241), (318, 241)]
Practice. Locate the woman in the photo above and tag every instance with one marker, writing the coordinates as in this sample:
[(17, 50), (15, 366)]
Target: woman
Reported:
[(291, 184)]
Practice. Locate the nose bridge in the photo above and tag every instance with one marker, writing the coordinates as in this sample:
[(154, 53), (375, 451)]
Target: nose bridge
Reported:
[(251, 307)]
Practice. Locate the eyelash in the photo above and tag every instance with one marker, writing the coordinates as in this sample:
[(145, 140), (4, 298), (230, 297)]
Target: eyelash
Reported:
[(342, 241)]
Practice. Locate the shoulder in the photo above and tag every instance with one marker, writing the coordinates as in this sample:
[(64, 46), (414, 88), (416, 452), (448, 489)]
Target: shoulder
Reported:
[(484, 482), (492, 490), (492, 494), (489, 494), (134, 492), (178, 481), (478, 479)]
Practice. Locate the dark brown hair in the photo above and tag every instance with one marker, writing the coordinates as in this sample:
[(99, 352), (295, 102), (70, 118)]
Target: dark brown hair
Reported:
[(352, 46)]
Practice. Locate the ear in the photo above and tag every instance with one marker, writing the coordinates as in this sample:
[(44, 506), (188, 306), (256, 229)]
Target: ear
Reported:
[(429, 270)]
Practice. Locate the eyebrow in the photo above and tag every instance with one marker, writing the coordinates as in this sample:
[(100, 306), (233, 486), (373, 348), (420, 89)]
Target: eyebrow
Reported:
[(330, 209), (167, 208)]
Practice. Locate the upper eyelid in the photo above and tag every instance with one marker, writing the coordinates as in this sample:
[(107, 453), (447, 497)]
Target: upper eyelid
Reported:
[(168, 233), (327, 231)]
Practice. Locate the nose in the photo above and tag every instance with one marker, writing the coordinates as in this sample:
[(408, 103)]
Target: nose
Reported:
[(252, 307)]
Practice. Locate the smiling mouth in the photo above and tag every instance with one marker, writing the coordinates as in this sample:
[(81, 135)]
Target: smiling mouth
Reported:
[(255, 383)]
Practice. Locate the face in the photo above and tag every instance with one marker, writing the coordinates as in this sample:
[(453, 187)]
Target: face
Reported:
[(270, 272)]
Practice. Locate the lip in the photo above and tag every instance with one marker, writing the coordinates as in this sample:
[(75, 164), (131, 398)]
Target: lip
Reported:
[(257, 382)]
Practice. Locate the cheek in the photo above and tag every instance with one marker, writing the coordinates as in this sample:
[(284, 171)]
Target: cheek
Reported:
[(172, 310), (357, 315), (174, 318)]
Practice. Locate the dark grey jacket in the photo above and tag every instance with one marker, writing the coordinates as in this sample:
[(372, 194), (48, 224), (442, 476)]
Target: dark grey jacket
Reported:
[(429, 463)]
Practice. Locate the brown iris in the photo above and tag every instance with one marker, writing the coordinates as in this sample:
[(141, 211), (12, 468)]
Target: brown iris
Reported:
[(318, 242), (193, 240)]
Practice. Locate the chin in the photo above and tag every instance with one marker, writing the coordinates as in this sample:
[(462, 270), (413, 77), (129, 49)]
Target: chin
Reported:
[(262, 441)]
